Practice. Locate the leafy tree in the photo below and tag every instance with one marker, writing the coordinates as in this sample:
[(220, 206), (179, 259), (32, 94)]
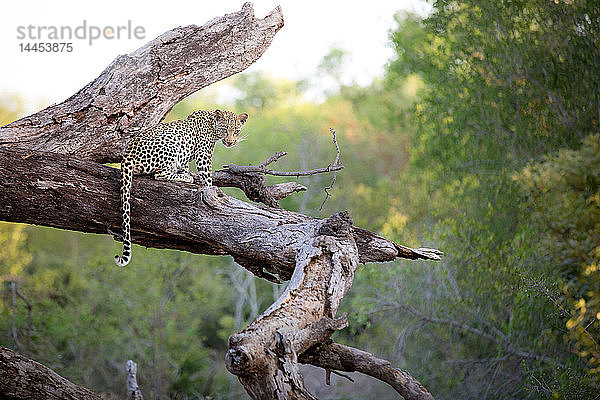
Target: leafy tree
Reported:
[(564, 195), (505, 84)]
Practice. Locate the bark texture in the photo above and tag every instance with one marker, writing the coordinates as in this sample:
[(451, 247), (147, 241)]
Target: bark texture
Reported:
[(254, 187), (137, 90), (334, 356), (22, 378), (264, 356)]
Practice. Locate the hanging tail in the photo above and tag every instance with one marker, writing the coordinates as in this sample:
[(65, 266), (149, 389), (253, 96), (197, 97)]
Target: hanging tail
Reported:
[(126, 177)]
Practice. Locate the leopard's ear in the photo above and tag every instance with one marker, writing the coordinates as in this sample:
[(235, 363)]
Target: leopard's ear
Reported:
[(219, 114), (243, 117)]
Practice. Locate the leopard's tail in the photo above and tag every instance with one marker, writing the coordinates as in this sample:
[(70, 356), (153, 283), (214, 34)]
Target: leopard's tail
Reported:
[(126, 178)]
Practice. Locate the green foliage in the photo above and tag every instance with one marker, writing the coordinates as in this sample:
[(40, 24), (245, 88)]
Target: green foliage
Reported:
[(512, 68), (164, 313), (564, 195)]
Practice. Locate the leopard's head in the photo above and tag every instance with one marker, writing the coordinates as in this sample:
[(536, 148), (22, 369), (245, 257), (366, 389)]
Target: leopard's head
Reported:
[(229, 126)]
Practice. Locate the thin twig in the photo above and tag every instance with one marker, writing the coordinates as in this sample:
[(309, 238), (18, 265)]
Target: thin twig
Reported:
[(333, 371), (335, 163), (242, 169), (273, 158), (260, 168), (13, 313)]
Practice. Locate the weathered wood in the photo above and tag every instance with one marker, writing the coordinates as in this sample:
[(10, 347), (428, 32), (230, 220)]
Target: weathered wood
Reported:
[(25, 379), (299, 324), (60, 191), (137, 90), (334, 356), (264, 356), (254, 187)]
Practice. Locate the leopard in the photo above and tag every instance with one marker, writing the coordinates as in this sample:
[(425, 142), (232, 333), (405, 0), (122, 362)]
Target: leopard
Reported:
[(165, 152)]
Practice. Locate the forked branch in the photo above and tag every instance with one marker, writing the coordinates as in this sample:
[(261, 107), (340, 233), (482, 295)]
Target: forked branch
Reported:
[(297, 327), (250, 178), (244, 169)]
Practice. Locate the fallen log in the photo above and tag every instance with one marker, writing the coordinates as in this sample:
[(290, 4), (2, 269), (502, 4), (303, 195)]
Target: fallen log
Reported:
[(56, 190)]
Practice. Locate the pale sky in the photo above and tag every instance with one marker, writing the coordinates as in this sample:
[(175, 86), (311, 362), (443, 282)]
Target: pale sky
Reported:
[(311, 29)]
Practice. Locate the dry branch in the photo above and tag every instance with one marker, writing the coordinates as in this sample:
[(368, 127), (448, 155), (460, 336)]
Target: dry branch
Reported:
[(251, 180), (265, 355), (273, 158), (333, 356), (260, 168), (243, 169), (63, 192), (254, 187)]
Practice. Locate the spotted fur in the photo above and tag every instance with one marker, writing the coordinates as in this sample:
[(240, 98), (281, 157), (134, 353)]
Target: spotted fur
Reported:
[(166, 150)]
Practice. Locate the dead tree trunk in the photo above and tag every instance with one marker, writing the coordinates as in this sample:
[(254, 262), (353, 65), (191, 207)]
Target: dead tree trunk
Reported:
[(64, 192), (51, 176), (265, 355)]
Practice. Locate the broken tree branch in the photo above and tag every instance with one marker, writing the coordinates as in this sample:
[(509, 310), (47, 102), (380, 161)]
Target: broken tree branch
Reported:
[(251, 179), (333, 356), (244, 169), (254, 186), (264, 356), (22, 378), (56, 190), (137, 90), (273, 158), (260, 168)]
